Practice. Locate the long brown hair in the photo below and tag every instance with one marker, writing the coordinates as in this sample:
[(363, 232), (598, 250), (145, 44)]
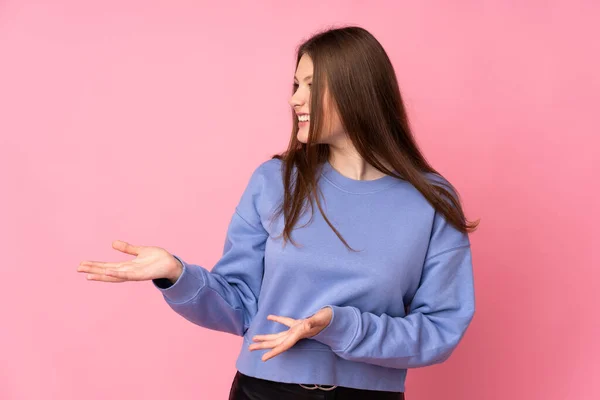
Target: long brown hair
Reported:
[(357, 73)]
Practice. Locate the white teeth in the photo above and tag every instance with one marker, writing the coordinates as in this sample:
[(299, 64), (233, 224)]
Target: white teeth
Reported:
[(304, 118)]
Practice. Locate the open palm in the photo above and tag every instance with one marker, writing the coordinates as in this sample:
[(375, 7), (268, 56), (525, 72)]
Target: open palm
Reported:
[(150, 263), (299, 329)]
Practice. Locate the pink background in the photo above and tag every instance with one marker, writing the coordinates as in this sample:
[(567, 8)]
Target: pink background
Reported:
[(143, 121)]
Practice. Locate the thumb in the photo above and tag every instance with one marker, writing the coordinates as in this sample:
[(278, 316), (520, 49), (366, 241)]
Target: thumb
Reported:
[(126, 247)]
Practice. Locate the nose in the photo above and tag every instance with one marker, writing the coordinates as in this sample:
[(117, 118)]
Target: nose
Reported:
[(294, 101), (298, 99)]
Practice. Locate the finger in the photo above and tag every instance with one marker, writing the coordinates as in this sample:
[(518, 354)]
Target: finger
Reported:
[(124, 273), (126, 247), (272, 336), (282, 320), (129, 275), (101, 264), (287, 342), (265, 345), (102, 270), (91, 270), (276, 351), (103, 278)]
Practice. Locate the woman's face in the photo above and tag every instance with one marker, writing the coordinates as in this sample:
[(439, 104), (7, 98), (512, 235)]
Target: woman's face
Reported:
[(300, 101)]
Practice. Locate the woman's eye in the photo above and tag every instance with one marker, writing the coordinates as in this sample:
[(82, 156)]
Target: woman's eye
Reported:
[(296, 86)]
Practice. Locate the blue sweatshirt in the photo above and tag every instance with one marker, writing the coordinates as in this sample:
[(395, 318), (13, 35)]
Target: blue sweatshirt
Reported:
[(403, 301)]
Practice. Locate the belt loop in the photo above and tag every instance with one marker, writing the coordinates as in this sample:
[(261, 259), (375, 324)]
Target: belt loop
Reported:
[(318, 387), (327, 389), (309, 388)]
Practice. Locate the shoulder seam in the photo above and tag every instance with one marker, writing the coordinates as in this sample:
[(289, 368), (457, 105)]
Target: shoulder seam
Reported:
[(246, 221), (449, 250)]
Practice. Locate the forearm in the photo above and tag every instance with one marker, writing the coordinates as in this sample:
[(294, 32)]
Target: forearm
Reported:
[(441, 311), (413, 341)]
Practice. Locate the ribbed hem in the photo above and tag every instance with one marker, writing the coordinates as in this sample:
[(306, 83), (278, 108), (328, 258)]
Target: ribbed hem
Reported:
[(315, 363)]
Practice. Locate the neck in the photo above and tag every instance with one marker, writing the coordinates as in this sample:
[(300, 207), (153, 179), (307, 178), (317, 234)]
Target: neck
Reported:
[(349, 163)]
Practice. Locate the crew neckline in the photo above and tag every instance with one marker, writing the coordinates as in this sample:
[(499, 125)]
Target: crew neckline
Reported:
[(355, 186)]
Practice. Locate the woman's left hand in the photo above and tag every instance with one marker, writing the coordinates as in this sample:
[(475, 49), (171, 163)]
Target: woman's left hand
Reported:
[(299, 329)]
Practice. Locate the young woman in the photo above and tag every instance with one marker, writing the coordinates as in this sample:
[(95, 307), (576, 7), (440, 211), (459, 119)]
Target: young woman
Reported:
[(337, 303)]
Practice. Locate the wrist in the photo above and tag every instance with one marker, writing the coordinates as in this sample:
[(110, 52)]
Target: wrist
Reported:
[(176, 271)]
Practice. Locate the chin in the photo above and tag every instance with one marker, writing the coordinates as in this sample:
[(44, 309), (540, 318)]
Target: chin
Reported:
[(302, 137)]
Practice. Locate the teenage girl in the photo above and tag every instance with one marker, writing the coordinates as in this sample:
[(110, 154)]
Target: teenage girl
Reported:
[(347, 260)]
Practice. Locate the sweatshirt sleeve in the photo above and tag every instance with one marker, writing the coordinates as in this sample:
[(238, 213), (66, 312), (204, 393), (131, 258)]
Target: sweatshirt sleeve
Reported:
[(440, 312), (225, 298)]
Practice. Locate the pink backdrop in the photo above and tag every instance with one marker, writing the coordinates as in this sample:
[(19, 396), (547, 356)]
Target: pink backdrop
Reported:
[(142, 121)]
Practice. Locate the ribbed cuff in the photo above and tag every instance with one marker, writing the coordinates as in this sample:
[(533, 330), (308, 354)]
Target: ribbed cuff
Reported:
[(187, 286), (342, 328)]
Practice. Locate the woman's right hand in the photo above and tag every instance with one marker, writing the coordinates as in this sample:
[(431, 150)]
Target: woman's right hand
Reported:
[(150, 263)]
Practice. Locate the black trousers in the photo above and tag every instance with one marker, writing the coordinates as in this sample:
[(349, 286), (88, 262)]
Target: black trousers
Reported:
[(246, 387)]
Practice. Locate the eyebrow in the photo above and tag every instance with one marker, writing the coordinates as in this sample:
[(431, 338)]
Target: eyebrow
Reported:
[(305, 78)]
